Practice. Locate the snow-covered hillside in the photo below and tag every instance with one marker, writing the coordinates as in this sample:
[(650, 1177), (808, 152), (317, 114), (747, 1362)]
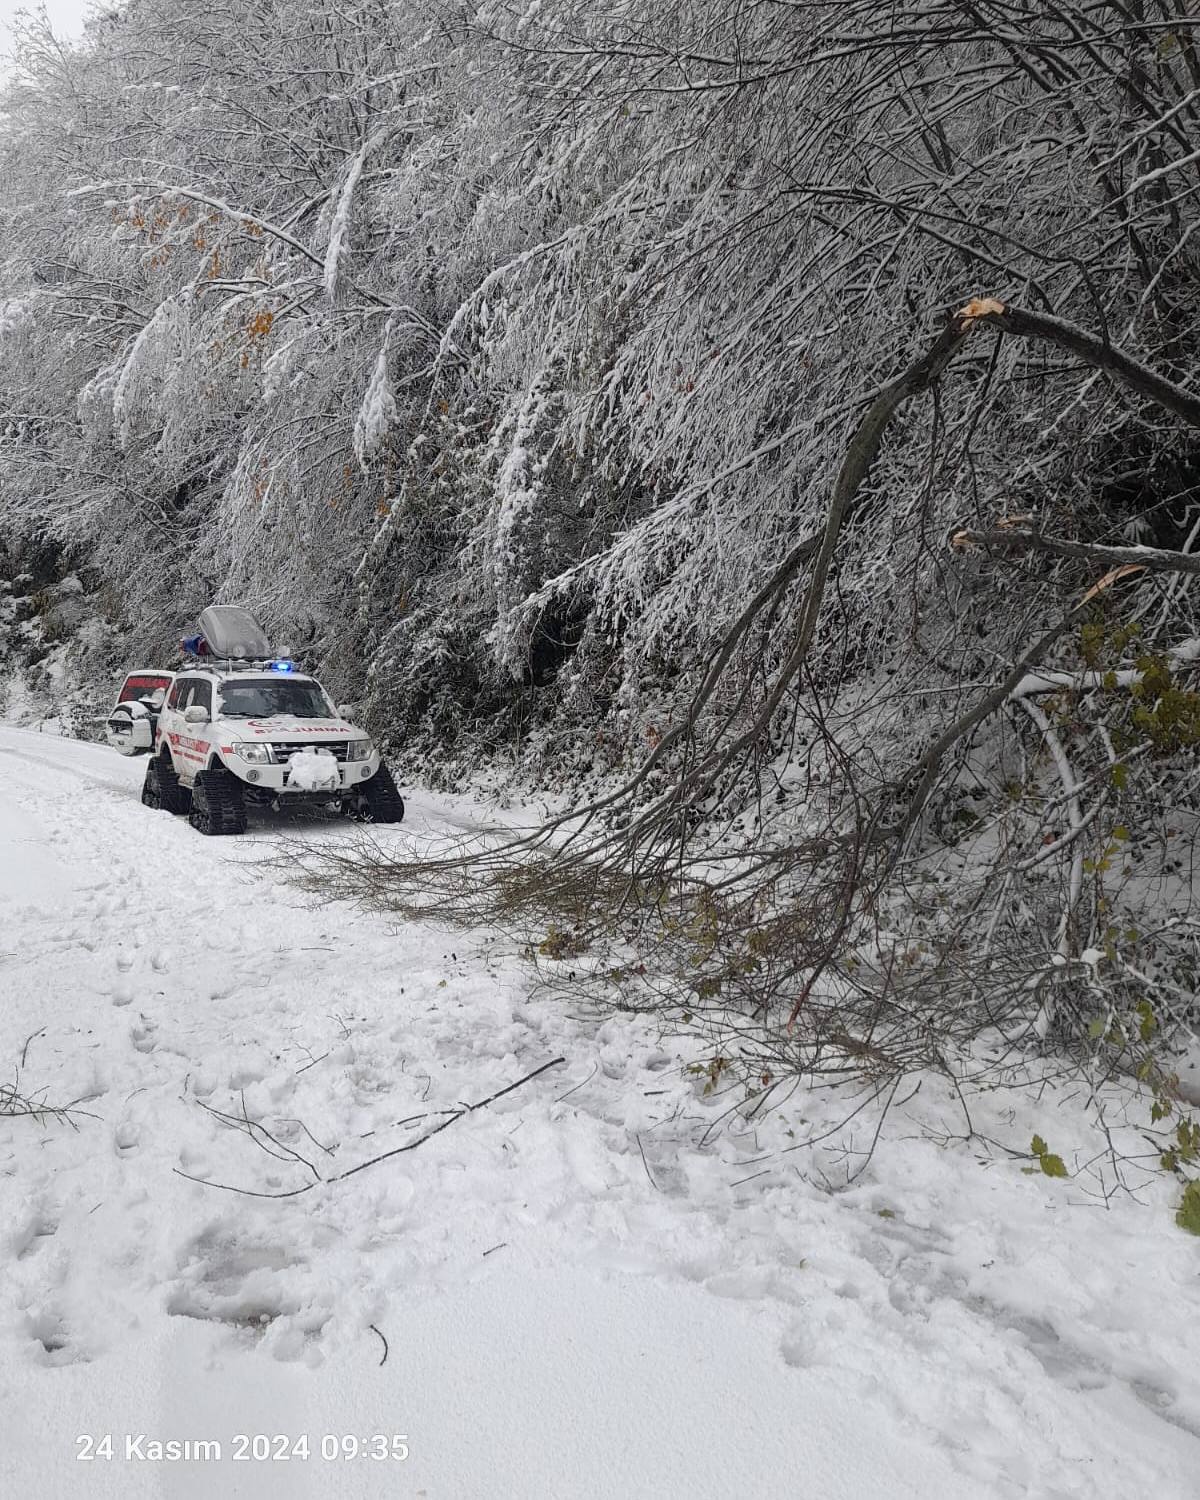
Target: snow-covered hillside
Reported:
[(582, 1290)]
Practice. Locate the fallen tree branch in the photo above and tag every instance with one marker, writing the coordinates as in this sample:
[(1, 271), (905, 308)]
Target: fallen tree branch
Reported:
[(253, 1129), (1020, 682), (1090, 681), (1097, 352), (15, 1104), (384, 1341), (927, 770), (860, 455), (1019, 539), (861, 452), (445, 1125), (1064, 943), (864, 445), (454, 1115), (28, 1040)]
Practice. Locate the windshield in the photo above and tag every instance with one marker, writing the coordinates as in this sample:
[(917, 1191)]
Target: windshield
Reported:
[(263, 697), (143, 685)]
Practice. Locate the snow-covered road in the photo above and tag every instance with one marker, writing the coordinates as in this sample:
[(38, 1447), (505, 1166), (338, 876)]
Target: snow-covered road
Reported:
[(580, 1296)]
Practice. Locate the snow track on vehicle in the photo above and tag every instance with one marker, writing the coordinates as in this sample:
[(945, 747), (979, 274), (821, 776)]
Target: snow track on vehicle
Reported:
[(581, 1296)]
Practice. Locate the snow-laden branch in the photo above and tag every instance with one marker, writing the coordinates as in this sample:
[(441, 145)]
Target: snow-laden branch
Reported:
[(377, 414), (339, 232), (218, 205), (1033, 683), (1019, 537), (1066, 775), (1159, 173)]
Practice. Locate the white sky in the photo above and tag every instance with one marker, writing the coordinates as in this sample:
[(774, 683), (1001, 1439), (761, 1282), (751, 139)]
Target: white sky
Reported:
[(66, 16)]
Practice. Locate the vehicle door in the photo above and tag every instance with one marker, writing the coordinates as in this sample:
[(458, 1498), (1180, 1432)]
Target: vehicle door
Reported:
[(189, 742)]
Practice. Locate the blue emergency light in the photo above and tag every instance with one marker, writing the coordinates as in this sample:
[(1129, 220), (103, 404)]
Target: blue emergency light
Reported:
[(283, 666)]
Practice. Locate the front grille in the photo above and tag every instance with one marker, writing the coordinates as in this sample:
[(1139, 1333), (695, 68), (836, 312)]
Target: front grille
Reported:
[(337, 748)]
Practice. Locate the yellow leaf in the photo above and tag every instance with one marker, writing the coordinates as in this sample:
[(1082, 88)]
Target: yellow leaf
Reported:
[(1111, 578)]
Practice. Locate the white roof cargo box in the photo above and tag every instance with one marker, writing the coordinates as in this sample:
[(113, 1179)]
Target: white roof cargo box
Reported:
[(233, 632)]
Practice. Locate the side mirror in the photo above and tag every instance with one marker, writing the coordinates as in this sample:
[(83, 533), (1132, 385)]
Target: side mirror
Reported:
[(195, 713), (154, 700), (347, 710)]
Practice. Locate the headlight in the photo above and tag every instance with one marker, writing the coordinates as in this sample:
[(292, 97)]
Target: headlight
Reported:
[(358, 750), (257, 754)]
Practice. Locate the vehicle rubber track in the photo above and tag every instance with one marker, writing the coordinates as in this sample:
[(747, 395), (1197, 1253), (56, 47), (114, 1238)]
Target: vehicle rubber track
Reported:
[(378, 800), (172, 797), (151, 790), (217, 806)]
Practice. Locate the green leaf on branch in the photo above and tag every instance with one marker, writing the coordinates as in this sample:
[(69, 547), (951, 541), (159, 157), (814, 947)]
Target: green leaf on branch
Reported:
[(1188, 1213)]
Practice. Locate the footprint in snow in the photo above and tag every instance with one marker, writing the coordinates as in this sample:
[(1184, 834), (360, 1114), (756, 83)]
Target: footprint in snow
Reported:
[(143, 1036), (254, 1287), (33, 1235), (1078, 1370), (245, 1075), (52, 1340), (798, 1349)]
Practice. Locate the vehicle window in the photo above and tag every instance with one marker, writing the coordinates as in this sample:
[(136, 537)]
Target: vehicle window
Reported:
[(264, 697), (189, 690), (141, 686), (177, 691)]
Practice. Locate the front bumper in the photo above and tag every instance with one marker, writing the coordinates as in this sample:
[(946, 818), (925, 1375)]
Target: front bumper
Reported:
[(274, 777)]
